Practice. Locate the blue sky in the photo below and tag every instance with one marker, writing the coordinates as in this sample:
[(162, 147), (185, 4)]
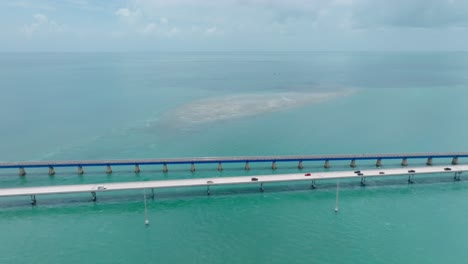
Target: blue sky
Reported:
[(233, 25)]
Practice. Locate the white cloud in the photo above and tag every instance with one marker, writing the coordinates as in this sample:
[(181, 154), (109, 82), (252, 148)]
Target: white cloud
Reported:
[(29, 5), (423, 14), (78, 2), (163, 20), (123, 12), (344, 2), (44, 24), (149, 29), (172, 32), (128, 15), (41, 19), (257, 15), (153, 29), (140, 21), (213, 31), (241, 24), (210, 31)]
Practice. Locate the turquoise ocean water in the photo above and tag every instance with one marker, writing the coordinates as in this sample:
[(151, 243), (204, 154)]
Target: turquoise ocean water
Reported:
[(138, 105)]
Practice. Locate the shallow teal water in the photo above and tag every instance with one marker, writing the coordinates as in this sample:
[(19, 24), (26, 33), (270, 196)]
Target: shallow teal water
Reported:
[(86, 106), (375, 225)]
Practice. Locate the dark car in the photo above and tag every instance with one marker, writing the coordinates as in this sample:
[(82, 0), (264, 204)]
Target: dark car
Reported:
[(357, 172), (307, 174), (209, 182), (254, 179), (360, 174), (447, 169), (381, 172), (411, 171)]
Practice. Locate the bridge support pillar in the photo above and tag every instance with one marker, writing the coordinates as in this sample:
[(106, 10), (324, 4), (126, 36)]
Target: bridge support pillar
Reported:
[(429, 162), (273, 165), (22, 171), (378, 163), (261, 187), (165, 168), (247, 166), (208, 190), (353, 163), (455, 161), (108, 169), (137, 168), (80, 170), (33, 200), (220, 167), (152, 193), (300, 166), (457, 176), (410, 179), (404, 162), (94, 197), (363, 181), (327, 164), (192, 167), (51, 171)]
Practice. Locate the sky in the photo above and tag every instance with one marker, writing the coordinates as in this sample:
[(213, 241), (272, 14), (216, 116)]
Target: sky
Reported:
[(233, 25)]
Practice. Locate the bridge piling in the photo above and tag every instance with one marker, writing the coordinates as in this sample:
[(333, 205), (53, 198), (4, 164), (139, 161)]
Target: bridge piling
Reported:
[(455, 161), (327, 164), (137, 168), (80, 169), (51, 171), (273, 165), (429, 162), (247, 166), (404, 162), (165, 170), (192, 167), (353, 163), (220, 166), (363, 181), (108, 169), (300, 166), (378, 163), (22, 171)]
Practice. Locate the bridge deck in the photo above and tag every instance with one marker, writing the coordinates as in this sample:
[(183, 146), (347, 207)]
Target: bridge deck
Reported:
[(238, 159), (106, 187)]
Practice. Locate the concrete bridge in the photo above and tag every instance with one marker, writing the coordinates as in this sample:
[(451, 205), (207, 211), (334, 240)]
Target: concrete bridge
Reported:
[(211, 182), (245, 160)]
